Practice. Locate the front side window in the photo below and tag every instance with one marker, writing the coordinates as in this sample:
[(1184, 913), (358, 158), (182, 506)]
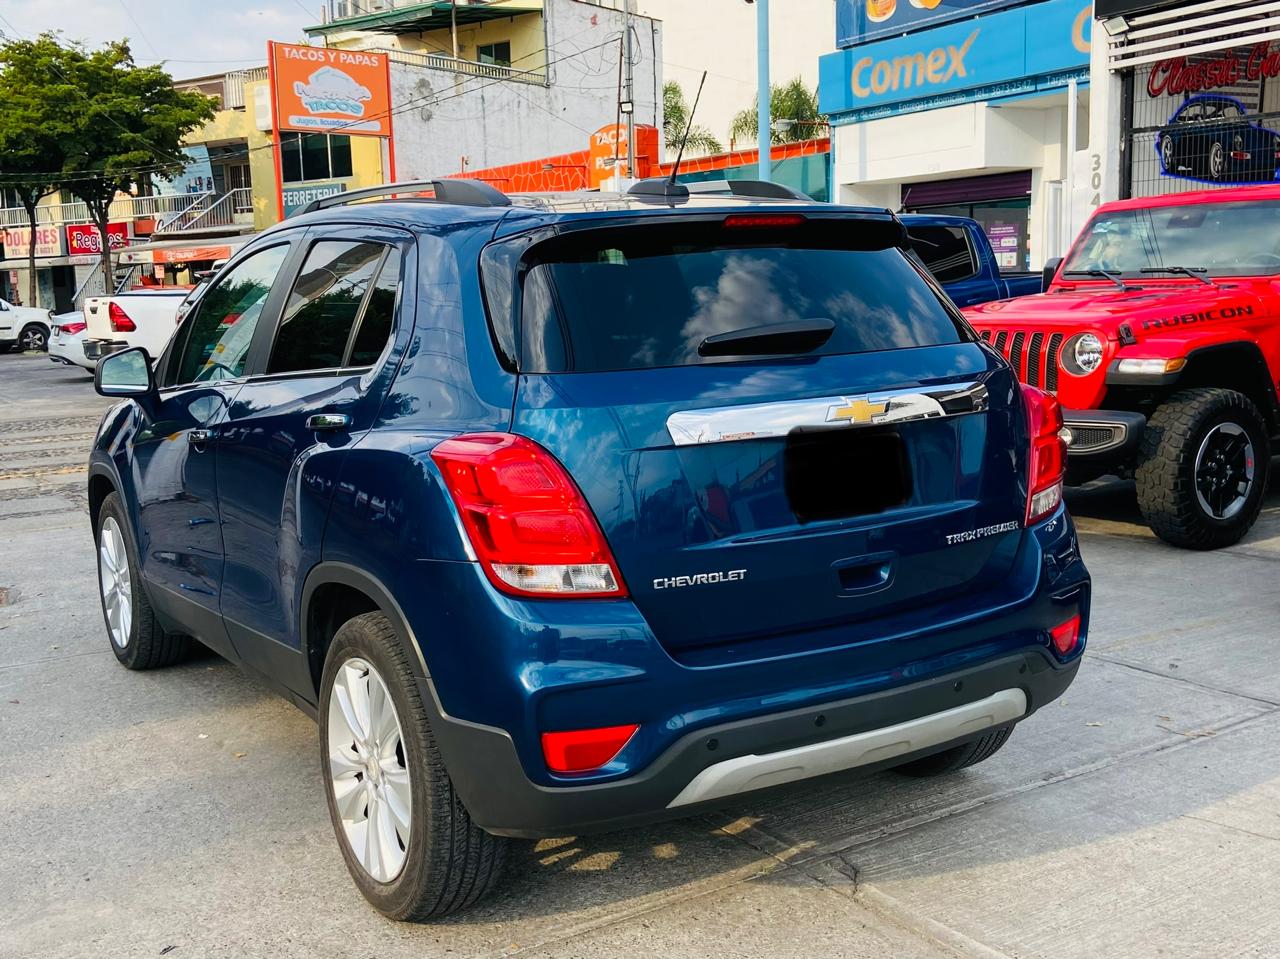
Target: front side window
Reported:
[(945, 251), (340, 310), (647, 297), (1225, 239), (217, 343)]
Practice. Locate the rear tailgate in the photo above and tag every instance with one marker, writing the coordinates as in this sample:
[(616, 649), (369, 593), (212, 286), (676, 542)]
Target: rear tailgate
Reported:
[(753, 504)]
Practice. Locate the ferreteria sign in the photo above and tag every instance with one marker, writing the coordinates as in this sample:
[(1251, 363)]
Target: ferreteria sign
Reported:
[(1178, 75), (977, 57)]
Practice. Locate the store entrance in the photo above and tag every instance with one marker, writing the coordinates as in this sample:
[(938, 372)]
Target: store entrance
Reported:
[(1001, 204)]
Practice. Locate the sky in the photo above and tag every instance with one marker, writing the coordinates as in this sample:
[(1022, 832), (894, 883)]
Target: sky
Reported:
[(194, 38)]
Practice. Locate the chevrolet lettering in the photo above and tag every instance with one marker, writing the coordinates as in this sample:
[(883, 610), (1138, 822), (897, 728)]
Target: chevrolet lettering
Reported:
[(526, 505)]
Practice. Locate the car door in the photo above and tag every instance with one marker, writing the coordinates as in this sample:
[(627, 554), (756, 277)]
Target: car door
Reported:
[(8, 325), (321, 374), (174, 455), (948, 253)]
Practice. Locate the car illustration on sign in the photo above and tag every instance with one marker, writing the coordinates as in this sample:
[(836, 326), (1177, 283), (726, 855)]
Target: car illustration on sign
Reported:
[(1211, 138)]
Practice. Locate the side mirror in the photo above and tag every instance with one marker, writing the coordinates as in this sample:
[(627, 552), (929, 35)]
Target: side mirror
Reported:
[(1050, 270), (127, 373)]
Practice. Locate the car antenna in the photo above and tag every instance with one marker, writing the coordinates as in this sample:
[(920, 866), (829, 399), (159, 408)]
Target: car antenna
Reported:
[(688, 128)]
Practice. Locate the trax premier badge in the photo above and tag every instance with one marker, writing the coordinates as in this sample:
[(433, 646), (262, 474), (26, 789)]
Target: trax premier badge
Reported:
[(700, 579), (982, 532)]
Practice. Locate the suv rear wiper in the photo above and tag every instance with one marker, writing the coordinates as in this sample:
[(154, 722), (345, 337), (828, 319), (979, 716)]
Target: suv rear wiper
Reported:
[(1191, 271), (790, 336), (1112, 275)]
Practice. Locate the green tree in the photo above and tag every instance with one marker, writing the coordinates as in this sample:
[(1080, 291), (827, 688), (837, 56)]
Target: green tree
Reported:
[(675, 117), (130, 123), (792, 102), (34, 125)]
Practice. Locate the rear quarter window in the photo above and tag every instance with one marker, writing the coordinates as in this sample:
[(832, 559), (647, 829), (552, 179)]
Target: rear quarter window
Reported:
[(645, 297)]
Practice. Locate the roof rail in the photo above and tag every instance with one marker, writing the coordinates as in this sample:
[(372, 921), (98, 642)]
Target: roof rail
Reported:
[(757, 188), (459, 192)]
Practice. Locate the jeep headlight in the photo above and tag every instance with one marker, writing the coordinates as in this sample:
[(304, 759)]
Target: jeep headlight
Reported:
[(1082, 354)]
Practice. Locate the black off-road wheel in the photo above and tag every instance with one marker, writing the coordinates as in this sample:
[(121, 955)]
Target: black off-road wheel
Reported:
[(137, 638), (958, 757), (1204, 464), (408, 841)]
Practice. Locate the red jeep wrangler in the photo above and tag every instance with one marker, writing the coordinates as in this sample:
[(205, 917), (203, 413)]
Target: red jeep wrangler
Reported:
[(1160, 335)]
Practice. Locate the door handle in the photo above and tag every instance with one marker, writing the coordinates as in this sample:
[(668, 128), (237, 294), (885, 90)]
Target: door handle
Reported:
[(328, 421), (200, 437)]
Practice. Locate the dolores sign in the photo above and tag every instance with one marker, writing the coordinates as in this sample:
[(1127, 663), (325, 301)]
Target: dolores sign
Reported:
[(1012, 52)]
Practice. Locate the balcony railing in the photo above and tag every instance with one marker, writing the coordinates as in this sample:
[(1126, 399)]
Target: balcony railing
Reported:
[(122, 208), (233, 86), (439, 61)]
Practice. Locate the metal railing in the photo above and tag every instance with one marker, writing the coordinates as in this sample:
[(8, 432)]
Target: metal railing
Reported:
[(211, 213), (440, 61), (160, 208), (233, 86)]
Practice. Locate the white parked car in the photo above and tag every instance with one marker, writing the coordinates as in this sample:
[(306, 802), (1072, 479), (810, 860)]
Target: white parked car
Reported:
[(144, 318), (66, 341), (24, 327)]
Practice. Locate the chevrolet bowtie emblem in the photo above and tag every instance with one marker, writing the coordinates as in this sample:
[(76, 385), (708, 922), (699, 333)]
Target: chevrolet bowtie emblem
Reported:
[(860, 410)]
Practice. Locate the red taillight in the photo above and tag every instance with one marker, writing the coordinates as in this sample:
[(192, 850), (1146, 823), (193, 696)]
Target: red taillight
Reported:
[(1048, 453), (71, 329), (580, 750), (120, 321), (1066, 636), (528, 523), (747, 221)]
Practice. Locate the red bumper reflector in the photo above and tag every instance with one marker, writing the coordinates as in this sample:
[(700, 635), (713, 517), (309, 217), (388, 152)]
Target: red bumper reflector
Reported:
[(1066, 636), (580, 750)]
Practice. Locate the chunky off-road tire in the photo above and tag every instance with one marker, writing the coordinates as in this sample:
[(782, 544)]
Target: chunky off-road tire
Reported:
[(140, 643), (448, 862), (1166, 474), (958, 757)]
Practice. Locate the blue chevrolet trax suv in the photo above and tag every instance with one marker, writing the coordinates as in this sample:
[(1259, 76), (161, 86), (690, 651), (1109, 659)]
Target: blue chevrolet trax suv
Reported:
[(567, 513)]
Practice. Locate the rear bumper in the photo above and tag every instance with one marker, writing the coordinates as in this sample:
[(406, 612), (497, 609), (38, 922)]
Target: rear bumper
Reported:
[(95, 350), (704, 767)]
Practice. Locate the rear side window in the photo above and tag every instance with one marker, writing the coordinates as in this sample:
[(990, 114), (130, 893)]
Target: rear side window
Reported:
[(341, 308), (945, 250), (646, 297)]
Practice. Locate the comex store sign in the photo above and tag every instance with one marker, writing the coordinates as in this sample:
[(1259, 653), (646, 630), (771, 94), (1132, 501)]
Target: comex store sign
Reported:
[(1020, 50)]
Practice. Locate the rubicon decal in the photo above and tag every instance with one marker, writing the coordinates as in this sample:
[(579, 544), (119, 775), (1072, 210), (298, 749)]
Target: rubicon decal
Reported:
[(700, 579), (982, 532), (1203, 316)]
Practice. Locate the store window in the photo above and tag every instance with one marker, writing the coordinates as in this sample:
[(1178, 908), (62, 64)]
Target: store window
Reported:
[(314, 156), (499, 54)]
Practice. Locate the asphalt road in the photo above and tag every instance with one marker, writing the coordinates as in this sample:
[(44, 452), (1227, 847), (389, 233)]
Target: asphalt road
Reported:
[(180, 812)]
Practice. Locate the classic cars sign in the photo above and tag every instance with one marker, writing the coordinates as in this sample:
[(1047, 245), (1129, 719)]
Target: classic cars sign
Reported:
[(83, 239)]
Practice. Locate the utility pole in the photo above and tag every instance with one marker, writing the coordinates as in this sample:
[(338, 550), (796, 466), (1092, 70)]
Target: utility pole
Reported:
[(764, 136), (630, 96), (453, 26)]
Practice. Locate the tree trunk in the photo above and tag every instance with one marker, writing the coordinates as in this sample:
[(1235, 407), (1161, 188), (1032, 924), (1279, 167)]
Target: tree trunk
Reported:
[(33, 287), (102, 217)]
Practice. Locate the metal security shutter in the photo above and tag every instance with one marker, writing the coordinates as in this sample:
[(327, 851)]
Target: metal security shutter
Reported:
[(1193, 29)]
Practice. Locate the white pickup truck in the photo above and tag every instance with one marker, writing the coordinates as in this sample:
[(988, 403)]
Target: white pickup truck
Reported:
[(145, 318)]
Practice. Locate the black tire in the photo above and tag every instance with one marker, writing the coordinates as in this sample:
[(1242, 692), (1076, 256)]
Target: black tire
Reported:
[(958, 757), (34, 338), (1166, 477), (450, 862), (148, 645)]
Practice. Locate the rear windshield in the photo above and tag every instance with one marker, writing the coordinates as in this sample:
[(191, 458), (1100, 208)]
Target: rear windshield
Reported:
[(647, 297)]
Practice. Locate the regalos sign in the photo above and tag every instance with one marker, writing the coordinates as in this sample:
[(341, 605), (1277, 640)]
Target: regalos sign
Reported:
[(318, 89), (83, 239)]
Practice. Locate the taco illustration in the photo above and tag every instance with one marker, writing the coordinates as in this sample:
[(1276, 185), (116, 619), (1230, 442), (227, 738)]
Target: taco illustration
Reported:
[(879, 11)]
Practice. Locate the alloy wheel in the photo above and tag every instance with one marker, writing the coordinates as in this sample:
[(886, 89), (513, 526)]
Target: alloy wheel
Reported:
[(33, 340), (115, 582), (368, 770), (1224, 471), (1166, 154), (1217, 161)]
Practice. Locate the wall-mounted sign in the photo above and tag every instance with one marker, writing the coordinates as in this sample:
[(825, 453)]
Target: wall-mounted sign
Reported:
[(1212, 139), (296, 197), (977, 55), (196, 176), (320, 89), (1178, 75), (17, 241), (83, 239), (858, 21)]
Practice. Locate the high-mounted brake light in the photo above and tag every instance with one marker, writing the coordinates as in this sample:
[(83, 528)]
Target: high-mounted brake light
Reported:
[(120, 320), (748, 221), (581, 750), (528, 522), (1048, 454)]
